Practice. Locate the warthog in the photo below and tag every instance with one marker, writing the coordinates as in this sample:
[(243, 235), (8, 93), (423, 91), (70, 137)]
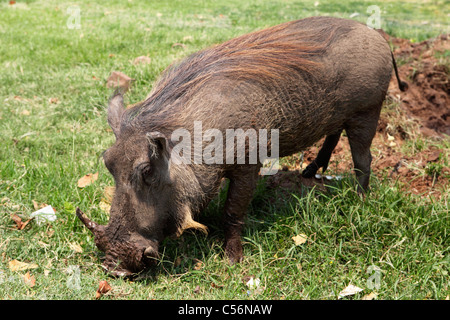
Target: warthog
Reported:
[(306, 79)]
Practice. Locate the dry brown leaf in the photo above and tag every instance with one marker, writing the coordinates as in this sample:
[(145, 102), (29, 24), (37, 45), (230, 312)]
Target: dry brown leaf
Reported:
[(103, 288), (216, 285), (15, 265), (87, 179), (142, 60), (369, 296), (198, 265), (300, 239), (37, 205), (20, 225), (119, 79), (29, 279)]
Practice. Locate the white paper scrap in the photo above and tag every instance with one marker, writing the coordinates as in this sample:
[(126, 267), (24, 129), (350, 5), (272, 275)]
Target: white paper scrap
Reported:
[(45, 214), (253, 283)]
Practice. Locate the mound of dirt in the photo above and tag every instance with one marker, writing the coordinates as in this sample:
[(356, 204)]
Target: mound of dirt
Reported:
[(427, 97)]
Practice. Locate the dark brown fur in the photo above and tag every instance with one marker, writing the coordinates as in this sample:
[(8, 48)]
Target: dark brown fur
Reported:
[(308, 78)]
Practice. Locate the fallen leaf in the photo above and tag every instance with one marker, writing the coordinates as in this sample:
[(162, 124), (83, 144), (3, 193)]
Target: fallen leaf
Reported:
[(53, 100), (75, 247), (29, 279), (349, 291), (142, 60), (19, 223), (17, 220), (103, 288), (25, 112), (15, 265), (369, 296), (300, 239), (87, 179), (119, 79), (12, 2), (216, 285), (37, 205), (198, 265)]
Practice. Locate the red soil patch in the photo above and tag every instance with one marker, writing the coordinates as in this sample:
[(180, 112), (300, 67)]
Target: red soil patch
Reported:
[(428, 78)]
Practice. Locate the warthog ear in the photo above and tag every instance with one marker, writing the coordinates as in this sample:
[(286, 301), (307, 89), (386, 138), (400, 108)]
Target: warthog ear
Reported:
[(158, 143), (115, 112)]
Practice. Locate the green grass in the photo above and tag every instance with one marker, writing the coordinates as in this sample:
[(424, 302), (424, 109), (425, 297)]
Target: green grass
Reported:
[(47, 145)]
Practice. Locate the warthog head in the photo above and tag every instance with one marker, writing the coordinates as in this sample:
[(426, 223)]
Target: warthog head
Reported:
[(152, 200)]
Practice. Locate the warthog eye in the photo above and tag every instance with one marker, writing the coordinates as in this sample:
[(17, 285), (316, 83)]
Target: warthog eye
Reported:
[(146, 171), (142, 173)]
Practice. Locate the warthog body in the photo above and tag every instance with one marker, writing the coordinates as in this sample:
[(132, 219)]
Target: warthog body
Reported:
[(308, 79)]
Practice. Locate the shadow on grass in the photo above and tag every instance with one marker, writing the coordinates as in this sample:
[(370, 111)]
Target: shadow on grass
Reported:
[(273, 201)]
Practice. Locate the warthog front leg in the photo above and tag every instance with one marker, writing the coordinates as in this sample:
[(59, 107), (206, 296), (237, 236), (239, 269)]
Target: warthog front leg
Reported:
[(240, 193)]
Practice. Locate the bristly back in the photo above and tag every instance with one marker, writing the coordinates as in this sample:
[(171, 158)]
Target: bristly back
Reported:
[(262, 57)]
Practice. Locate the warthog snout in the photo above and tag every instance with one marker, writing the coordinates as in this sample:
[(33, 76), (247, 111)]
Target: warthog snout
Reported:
[(122, 258)]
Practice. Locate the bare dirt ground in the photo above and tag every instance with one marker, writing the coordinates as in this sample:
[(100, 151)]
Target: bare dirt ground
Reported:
[(422, 113)]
